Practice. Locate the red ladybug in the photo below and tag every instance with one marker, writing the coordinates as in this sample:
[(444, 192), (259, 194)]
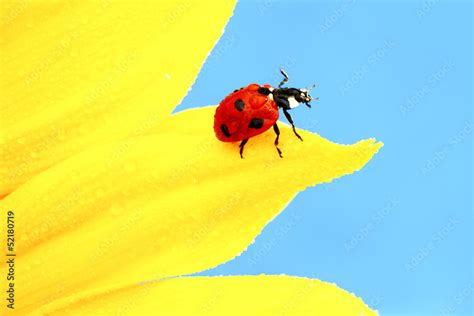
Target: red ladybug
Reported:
[(252, 110)]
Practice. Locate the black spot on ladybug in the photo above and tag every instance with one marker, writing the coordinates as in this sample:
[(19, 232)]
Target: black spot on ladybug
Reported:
[(239, 105), (256, 123), (225, 130), (264, 91)]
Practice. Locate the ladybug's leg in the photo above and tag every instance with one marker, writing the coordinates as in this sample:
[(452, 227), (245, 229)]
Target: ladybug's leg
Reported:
[(285, 79), (288, 117), (277, 132), (241, 146)]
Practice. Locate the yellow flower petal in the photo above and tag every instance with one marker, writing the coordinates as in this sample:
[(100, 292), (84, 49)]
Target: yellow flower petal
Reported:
[(78, 73), (171, 203), (236, 295)]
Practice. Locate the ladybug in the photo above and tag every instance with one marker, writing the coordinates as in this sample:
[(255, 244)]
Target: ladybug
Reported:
[(252, 110)]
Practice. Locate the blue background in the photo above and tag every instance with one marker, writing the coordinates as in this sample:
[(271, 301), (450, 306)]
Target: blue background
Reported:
[(399, 232)]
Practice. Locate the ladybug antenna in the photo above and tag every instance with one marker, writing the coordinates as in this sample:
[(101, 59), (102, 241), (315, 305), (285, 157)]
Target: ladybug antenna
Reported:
[(307, 90)]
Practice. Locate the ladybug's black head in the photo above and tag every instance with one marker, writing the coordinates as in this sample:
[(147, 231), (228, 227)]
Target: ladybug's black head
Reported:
[(289, 98), (304, 96)]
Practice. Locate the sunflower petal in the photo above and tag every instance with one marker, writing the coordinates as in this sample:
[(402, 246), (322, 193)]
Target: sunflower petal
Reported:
[(234, 295), (78, 73), (171, 203)]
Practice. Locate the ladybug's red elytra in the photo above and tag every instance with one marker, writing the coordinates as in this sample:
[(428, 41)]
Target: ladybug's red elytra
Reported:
[(252, 110)]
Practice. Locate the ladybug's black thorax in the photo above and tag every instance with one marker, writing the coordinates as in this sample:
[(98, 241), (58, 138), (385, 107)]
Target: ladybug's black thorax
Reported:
[(281, 97)]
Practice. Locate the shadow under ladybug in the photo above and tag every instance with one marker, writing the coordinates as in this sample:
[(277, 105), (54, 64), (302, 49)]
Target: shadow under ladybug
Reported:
[(252, 110)]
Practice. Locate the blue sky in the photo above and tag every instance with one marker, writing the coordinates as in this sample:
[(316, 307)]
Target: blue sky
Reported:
[(399, 232)]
